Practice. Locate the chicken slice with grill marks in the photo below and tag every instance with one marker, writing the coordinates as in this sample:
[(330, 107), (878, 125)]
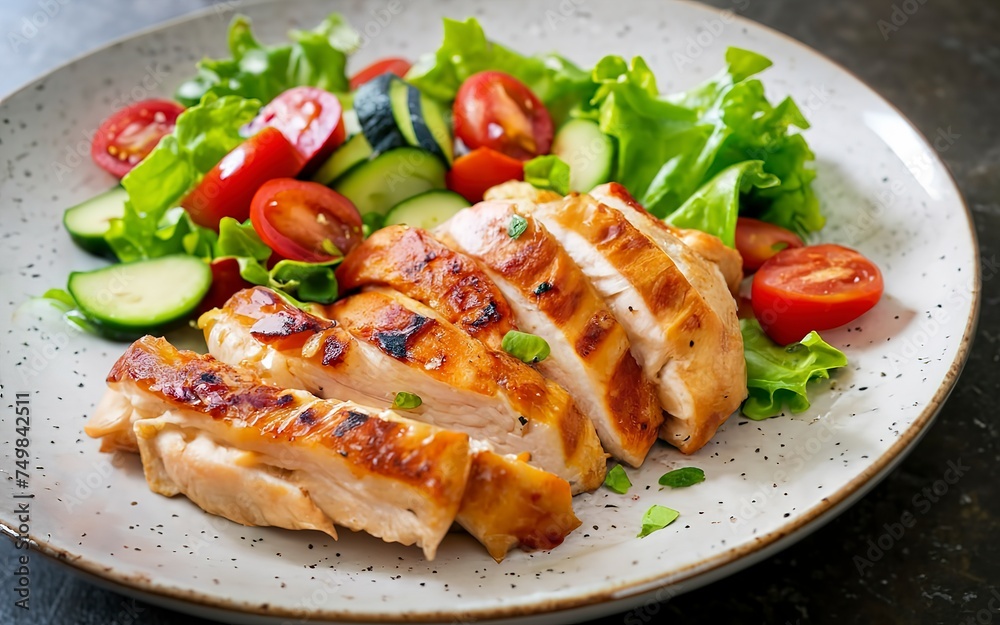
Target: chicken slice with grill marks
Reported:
[(613, 194), (413, 262), (686, 339), (709, 247), (552, 298), (380, 343), (507, 501), (261, 455)]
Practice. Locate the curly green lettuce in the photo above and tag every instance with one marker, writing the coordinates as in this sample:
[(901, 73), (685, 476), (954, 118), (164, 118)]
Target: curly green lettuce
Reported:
[(779, 376)]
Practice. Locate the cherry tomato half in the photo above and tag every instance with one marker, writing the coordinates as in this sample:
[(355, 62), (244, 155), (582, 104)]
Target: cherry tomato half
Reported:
[(226, 280), (227, 189), (472, 174), (813, 288), (393, 65), (496, 110), (126, 137), (310, 118), (757, 241), (305, 221)]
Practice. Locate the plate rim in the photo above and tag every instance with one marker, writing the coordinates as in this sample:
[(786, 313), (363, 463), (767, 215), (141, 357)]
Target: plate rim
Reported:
[(736, 557)]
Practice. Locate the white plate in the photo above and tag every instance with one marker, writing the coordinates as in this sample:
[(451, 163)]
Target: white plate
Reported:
[(883, 187)]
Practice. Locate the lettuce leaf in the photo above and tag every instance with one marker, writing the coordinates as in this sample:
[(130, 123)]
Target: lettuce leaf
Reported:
[(316, 57), (715, 206), (548, 172), (203, 135), (466, 51), (669, 146), (778, 376)]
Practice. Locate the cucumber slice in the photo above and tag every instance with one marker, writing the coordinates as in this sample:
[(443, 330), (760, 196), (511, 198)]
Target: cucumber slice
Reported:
[(427, 210), (129, 300), (399, 94), (356, 151), (374, 109), (587, 151), (430, 125), (390, 178), (88, 222)]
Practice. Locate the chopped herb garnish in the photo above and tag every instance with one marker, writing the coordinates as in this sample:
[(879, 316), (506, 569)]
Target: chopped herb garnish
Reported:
[(517, 226), (617, 480), (656, 518), (525, 347), (542, 288), (406, 401), (680, 478)]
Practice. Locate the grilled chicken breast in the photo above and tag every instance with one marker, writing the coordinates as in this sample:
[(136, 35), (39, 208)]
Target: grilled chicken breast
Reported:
[(413, 262), (381, 343), (683, 330), (259, 331), (710, 248), (552, 298), (260, 455)]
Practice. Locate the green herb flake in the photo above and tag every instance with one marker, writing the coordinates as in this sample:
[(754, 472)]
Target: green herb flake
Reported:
[(527, 348), (406, 401), (543, 288), (517, 226), (656, 518), (548, 172), (683, 477), (617, 480)]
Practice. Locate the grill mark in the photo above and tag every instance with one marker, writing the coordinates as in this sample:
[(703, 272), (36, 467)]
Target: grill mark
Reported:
[(334, 350), (286, 323), (596, 331), (307, 416), (354, 419), (487, 315), (397, 343)]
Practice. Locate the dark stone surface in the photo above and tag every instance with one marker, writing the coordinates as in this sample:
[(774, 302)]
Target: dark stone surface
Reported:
[(942, 69)]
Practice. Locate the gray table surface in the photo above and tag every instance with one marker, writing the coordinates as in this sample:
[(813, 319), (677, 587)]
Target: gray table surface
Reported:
[(942, 69)]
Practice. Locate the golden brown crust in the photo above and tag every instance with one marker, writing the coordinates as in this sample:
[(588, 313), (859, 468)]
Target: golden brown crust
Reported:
[(709, 247), (410, 332), (705, 357), (416, 454), (411, 261), (555, 298), (508, 502)]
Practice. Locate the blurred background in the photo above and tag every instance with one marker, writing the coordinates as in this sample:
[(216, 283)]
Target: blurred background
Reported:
[(939, 63)]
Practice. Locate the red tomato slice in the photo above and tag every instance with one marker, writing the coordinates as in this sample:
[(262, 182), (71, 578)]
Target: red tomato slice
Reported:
[(496, 110), (392, 65), (126, 137), (227, 189), (310, 118), (813, 288), (757, 241), (301, 220), (472, 174), (226, 280)]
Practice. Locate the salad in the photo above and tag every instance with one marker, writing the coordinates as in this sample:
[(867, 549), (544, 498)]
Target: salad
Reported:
[(269, 167)]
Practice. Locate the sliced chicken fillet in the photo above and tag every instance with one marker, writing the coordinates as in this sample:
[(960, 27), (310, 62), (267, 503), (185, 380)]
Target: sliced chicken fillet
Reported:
[(258, 454), (381, 343), (710, 248), (552, 298), (687, 342), (537, 510), (411, 261)]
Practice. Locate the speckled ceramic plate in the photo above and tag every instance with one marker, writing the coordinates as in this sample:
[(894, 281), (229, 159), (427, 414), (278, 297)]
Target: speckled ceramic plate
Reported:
[(769, 483)]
